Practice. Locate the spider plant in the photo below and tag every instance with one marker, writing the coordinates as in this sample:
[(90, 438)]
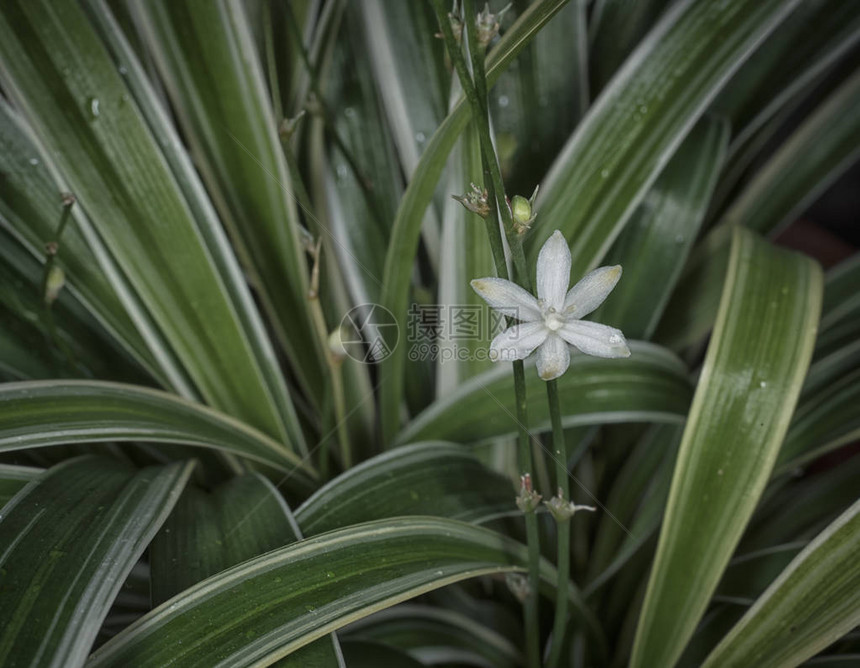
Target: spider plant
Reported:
[(238, 425)]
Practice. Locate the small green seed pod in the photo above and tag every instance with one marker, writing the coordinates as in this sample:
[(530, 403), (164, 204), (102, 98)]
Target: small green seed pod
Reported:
[(521, 210)]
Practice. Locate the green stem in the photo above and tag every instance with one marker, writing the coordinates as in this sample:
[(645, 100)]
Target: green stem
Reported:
[(563, 525), (476, 94), (52, 248), (364, 183)]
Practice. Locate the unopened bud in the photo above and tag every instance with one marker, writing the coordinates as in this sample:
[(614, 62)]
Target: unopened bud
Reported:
[(523, 211), (288, 126), (335, 345), (56, 281)]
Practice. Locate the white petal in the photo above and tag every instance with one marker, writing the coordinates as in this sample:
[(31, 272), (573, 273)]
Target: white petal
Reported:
[(592, 338), (553, 358), (553, 271), (591, 291), (507, 298), (518, 342)]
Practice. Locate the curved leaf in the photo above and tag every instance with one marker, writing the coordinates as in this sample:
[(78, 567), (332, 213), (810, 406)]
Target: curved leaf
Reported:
[(270, 606), (654, 245), (650, 385), (209, 532), (13, 478), (812, 603), (750, 381), (67, 542), (206, 56), (816, 153), (80, 108), (41, 413), (439, 479), (642, 116)]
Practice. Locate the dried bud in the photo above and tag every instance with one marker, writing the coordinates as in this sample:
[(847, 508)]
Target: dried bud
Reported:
[(561, 509), (288, 126), (519, 586), (456, 23), (528, 499), (475, 201), (55, 282), (488, 24), (67, 198)]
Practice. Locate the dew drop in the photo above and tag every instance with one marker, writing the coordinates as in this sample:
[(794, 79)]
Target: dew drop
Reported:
[(329, 574), (762, 384), (350, 112), (341, 171), (679, 239), (604, 173), (504, 101), (123, 70), (720, 472), (420, 137), (643, 109), (93, 104), (34, 161)]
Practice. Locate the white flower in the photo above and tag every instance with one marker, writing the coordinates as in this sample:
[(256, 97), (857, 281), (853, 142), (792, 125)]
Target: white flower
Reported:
[(553, 320)]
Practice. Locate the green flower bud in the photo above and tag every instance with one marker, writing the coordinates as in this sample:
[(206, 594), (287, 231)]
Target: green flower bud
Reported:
[(521, 209), (56, 281)]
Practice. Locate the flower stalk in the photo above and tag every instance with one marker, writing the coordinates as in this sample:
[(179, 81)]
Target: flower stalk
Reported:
[(476, 94)]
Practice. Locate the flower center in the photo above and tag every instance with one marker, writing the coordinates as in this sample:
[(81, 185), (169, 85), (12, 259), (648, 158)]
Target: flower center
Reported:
[(553, 320)]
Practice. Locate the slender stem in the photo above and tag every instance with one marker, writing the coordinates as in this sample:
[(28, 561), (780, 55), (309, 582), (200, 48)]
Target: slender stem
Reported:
[(334, 365), (563, 525), (496, 190), (51, 250), (363, 182)]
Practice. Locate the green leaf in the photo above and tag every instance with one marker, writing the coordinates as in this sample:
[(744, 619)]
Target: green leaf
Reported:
[(641, 117), (270, 606), (41, 413), (406, 230), (83, 113), (208, 61), (67, 542), (752, 375), (654, 245), (825, 421), (812, 603), (209, 532), (651, 385), (414, 628), (439, 479), (815, 36), (30, 205), (822, 148), (616, 27), (13, 478)]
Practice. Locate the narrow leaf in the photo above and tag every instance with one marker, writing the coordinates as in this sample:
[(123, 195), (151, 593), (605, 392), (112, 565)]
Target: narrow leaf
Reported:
[(67, 542), (811, 604), (41, 413), (651, 385), (751, 378)]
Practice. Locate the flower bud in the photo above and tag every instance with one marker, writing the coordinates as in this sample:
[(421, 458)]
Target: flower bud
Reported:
[(56, 281)]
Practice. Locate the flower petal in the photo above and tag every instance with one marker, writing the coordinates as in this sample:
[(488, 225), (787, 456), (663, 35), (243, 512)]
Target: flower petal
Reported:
[(591, 291), (592, 338), (553, 271), (518, 342), (553, 358), (507, 298)]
